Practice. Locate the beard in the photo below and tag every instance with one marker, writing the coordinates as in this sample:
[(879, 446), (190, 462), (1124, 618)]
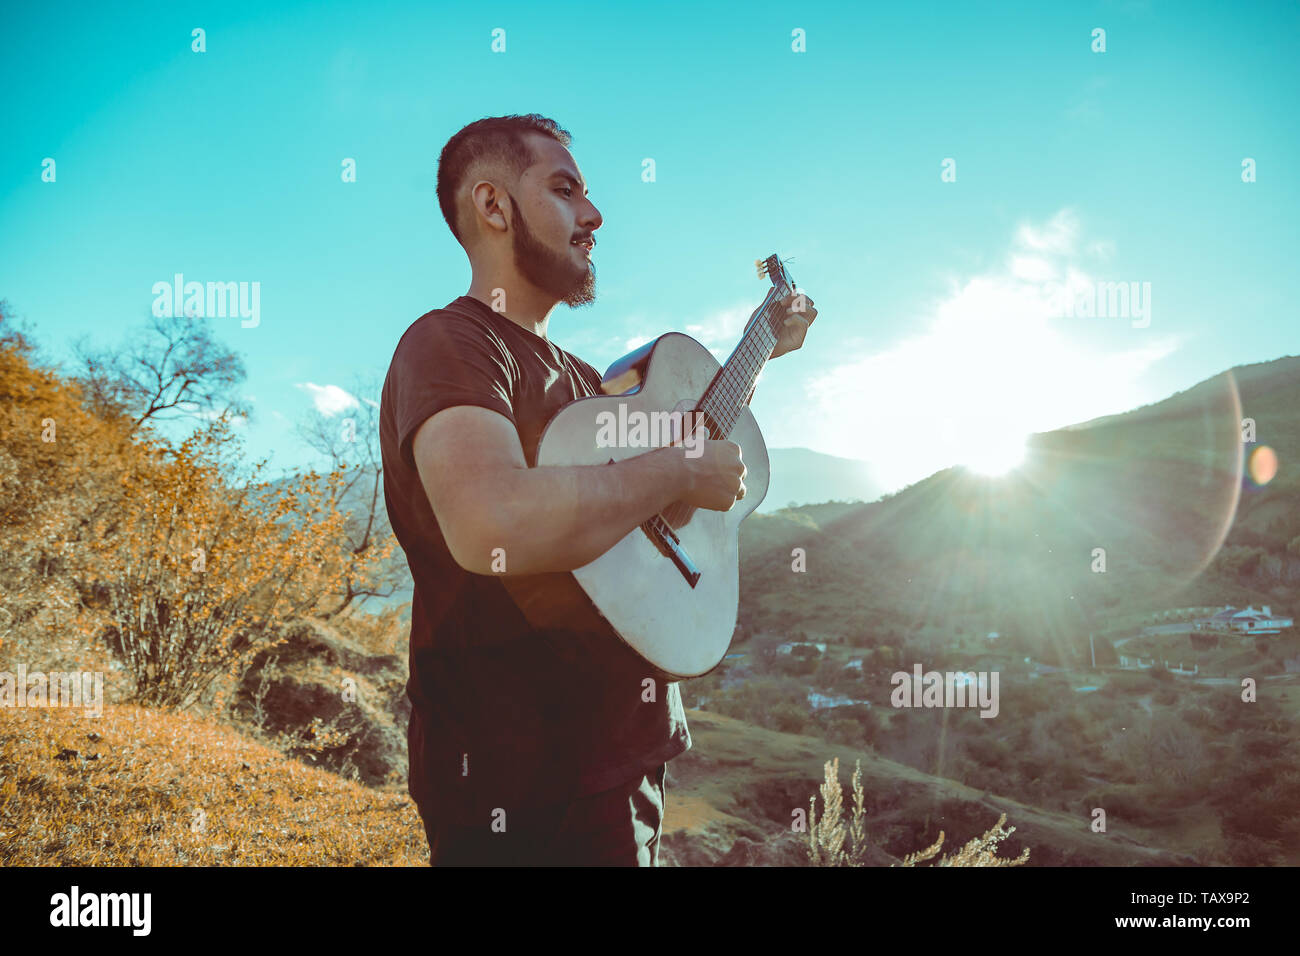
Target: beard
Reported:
[(550, 271)]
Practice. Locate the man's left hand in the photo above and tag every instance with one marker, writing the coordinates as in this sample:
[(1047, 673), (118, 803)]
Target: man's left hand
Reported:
[(799, 314)]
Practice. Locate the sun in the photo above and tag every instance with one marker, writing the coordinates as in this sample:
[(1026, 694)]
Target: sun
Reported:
[(992, 456)]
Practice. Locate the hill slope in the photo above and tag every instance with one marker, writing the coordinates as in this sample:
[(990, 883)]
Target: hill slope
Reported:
[(1158, 489)]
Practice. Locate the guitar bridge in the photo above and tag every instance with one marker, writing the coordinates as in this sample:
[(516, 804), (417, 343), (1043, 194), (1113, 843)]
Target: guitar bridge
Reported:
[(666, 540)]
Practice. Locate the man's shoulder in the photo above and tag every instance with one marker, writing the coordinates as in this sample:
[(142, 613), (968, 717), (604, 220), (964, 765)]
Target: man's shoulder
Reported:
[(455, 317), (590, 371)]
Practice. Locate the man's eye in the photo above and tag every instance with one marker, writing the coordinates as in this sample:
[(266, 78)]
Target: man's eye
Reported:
[(568, 191)]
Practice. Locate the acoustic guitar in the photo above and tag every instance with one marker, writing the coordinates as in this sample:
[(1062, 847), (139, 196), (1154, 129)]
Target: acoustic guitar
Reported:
[(670, 589)]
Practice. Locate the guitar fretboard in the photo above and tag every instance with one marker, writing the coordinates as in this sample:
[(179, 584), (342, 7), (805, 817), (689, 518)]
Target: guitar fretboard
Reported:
[(728, 394)]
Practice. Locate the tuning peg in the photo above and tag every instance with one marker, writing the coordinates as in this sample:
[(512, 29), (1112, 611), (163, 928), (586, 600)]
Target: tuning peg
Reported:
[(760, 267)]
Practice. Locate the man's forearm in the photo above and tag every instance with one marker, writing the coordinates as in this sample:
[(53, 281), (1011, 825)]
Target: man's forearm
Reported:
[(557, 518)]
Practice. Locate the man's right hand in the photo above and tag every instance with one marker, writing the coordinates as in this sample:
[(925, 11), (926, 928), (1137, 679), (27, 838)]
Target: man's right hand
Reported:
[(716, 475)]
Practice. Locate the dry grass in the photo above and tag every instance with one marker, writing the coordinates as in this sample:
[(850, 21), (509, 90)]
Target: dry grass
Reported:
[(381, 632), (141, 787), (826, 838)]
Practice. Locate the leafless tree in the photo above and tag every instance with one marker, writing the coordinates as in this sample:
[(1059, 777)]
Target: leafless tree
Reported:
[(14, 337), (350, 441), (173, 366)]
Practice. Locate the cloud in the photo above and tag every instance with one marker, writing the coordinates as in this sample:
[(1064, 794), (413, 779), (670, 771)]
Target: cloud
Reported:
[(993, 363), (719, 332), (329, 400), (721, 329), (1058, 236)]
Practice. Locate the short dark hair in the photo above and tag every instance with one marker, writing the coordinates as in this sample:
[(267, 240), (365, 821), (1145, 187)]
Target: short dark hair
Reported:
[(499, 137)]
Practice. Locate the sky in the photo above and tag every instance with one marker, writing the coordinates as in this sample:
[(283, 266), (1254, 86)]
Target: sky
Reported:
[(935, 174)]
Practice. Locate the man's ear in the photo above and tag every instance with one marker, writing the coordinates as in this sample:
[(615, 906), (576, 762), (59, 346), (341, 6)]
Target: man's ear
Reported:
[(487, 200)]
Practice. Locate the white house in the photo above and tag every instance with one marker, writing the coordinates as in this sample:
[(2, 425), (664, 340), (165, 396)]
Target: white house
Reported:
[(1248, 621), (789, 646)]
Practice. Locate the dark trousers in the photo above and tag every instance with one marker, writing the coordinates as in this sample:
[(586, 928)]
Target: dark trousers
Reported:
[(618, 827)]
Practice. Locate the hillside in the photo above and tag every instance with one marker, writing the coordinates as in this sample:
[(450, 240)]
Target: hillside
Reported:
[(1156, 488), (262, 730), (963, 572), (804, 476), (152, 788), (143, 787), (732, 797)]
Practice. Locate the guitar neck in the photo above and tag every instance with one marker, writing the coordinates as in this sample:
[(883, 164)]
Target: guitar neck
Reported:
[(729, 392)]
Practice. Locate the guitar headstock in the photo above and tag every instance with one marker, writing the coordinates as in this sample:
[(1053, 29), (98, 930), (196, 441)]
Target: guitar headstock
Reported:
[(773, 268)]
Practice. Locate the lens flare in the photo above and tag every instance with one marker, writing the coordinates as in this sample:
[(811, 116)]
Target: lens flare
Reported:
[(1263, 465)]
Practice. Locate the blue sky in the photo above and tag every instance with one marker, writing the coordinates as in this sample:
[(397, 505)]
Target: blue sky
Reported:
[(932, 344)]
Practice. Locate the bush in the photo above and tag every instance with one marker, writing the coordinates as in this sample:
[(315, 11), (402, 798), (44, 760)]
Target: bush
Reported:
[(1247, 850), (789, 665), (787, 718), (1136, 805), (833, 843), (991, 752), (193, 579), (1167, 696), (844, 731)]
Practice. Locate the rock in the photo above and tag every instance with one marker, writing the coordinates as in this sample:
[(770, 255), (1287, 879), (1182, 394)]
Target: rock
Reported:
[(301, 683)]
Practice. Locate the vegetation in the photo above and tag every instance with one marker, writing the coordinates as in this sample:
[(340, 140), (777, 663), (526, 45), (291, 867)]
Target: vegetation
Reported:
[(110, 535), (826, 840), (171, 567), (150, 787)]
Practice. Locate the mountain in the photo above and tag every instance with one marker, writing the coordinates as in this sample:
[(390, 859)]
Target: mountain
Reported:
[(801, 476), (1158, 490), (1045, 577)]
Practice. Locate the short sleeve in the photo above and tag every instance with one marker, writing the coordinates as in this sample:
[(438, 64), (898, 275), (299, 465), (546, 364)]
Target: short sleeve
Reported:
[(442, 362), (594, 378)]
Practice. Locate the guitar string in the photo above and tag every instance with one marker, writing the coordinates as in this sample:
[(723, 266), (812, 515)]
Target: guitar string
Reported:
[(750, 357)]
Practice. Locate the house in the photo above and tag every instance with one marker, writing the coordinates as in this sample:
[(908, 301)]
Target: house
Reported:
[(789, 647), (1248, 621), (822, 701)]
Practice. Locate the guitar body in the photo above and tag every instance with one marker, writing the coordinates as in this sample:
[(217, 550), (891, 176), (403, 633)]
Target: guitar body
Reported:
[(634, 593)]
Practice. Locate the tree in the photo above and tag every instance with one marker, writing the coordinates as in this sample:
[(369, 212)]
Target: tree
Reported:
[(190, 577), (109, 533), (14, 338), (351, 445), (58, 469), (173, 365)]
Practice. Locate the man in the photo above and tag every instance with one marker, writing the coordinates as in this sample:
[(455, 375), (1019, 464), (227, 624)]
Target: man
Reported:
[(521, 752)]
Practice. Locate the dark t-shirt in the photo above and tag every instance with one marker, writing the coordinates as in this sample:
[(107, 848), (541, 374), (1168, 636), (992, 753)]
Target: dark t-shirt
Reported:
[(499, 720)]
